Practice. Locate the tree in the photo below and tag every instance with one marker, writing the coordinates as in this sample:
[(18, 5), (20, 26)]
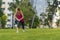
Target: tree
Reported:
[(43, 19), (36, 22), (3, 17), (3, 20), (0, 3), (51, 10), (1, 11), (25, 6)]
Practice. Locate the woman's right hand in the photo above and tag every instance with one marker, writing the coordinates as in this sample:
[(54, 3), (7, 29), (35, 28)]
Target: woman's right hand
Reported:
[(18, 19)]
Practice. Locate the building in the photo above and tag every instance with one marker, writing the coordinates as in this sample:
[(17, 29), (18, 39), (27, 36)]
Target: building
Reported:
[(5, 6)]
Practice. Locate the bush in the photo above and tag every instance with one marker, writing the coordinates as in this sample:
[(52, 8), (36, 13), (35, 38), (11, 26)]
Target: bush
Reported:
[(3, 20)]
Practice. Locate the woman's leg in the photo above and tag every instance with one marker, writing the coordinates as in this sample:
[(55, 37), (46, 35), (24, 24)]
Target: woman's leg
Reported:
[(17, 27), (23, 25), (18, 24)]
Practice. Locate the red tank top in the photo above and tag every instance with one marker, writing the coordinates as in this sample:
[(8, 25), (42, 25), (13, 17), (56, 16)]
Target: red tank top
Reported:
[(19, 16)]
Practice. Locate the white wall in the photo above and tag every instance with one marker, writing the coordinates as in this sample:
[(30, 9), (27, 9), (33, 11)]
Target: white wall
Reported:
[(6, 11)]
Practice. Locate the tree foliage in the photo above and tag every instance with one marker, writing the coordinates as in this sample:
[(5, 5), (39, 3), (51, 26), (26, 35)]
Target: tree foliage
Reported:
[(3, 17), (3, 20), (26, 8), (51, 10)]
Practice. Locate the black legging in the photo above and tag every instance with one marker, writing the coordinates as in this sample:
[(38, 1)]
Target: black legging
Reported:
[(18, 24), (22, 23)]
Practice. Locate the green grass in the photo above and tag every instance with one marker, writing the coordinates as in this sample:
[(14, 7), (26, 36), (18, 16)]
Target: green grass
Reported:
[(30, 34)]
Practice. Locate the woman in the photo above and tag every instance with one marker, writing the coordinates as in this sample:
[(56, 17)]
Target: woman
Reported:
[(19, 18)]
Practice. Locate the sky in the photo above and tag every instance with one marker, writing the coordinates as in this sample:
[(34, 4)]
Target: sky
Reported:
[(40, 6)]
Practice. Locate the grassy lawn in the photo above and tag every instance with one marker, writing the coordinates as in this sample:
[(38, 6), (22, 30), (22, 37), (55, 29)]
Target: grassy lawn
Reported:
[(30, 34)]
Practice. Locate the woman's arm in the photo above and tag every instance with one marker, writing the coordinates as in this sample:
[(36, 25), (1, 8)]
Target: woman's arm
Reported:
[(16, 17), (22, 15)]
